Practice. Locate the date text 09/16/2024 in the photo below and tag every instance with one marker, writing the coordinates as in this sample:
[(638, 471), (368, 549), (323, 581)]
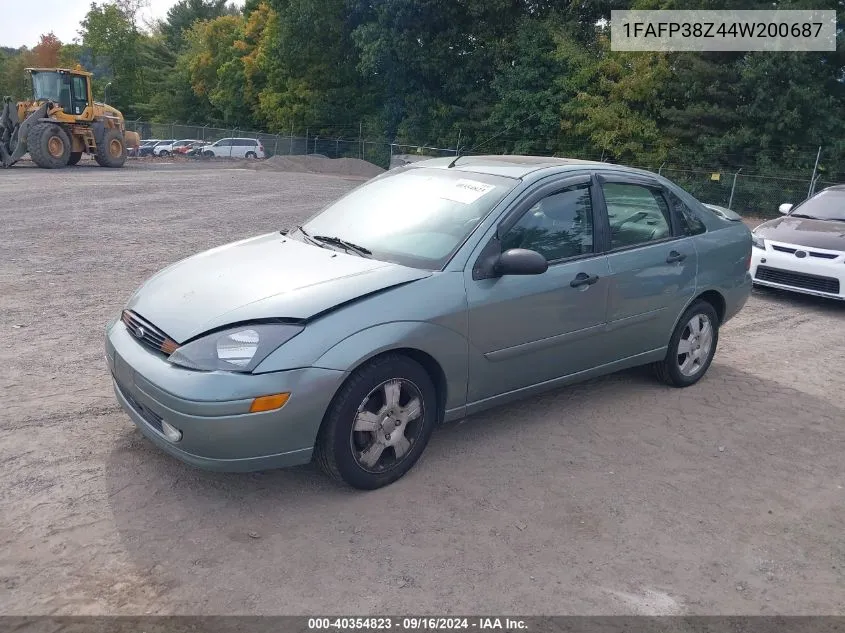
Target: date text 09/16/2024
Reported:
[(417, 623)]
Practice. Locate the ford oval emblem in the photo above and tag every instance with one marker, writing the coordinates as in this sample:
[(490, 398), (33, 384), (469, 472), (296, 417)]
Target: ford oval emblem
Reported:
[(801, 254)]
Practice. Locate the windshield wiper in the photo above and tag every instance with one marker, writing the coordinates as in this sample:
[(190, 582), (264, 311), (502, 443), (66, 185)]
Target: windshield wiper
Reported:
[(803, 215), (349, 246), (308, 237)]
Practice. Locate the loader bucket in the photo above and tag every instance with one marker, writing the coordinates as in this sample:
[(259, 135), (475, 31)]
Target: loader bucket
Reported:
[(13, 134)]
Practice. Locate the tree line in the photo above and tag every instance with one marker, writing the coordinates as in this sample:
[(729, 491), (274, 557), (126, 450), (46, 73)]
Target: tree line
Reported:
[(524, 76)]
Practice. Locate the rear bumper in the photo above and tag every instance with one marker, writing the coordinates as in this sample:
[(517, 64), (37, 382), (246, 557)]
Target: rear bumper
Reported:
[(211, 409), (807, 275)]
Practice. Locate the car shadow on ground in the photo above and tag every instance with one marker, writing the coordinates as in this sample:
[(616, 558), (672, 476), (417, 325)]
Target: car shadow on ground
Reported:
[(620, 468)]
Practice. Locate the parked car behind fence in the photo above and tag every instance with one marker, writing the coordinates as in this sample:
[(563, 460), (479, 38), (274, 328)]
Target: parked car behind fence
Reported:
[(233, 148)]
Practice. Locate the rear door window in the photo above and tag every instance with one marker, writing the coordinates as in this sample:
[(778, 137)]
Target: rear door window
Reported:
[(637, 214)]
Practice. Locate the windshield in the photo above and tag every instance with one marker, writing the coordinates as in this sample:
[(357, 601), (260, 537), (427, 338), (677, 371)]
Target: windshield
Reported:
[(46, 86), (826, 205), (415, 217)]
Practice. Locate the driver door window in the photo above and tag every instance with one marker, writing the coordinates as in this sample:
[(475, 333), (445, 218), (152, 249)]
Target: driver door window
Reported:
[(560, 226)]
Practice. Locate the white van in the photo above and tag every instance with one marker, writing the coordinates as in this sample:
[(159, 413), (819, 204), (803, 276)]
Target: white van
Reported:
[(233, 148)]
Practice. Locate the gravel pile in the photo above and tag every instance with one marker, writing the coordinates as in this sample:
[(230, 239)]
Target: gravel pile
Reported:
[(320, 165)]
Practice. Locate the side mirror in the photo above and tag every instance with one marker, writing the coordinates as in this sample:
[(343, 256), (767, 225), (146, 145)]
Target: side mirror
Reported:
[(785, 208), (521, 261)]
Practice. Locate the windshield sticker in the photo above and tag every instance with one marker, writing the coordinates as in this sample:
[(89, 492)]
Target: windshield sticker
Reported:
[(466, 191)]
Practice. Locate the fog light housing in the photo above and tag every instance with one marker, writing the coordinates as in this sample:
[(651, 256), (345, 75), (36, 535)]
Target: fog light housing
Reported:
[(171, 432)]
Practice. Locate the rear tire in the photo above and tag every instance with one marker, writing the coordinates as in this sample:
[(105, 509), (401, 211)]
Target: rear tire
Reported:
[(111, 150), (692, 346), (368, 439), (75, 157), (251, 155), (49, 146), (164, 153)]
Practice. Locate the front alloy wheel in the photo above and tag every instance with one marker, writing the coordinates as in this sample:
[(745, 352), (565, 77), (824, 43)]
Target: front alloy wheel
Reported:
[(387, 424), (378, 423)]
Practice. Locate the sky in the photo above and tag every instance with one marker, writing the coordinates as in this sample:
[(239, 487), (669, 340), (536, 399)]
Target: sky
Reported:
[(25, 23)]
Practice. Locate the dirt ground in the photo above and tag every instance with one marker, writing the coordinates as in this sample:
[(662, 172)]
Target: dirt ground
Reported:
[(613, 497)]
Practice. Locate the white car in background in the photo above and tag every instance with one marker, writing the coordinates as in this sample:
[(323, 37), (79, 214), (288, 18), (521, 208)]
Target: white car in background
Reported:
[(233, 148), (166, 148), (804, 251)]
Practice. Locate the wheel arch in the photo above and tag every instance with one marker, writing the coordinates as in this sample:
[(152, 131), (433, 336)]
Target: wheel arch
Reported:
[(711, 296), (715, 299)]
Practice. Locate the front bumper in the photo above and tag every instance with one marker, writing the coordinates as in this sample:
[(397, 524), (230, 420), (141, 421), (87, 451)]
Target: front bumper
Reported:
[(211, 409), (812, 275)]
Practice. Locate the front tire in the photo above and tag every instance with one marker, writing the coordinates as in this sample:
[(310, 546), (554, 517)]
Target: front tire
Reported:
[(111, 150), (692, 346), (378, 424), (49, 146)]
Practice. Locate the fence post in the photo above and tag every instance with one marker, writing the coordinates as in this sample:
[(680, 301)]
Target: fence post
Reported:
[(733, 187), (307, 131), (813, 179), (315, 144), (290, 145), (337, 148), (661, 168), (361, 137), (276, 146)]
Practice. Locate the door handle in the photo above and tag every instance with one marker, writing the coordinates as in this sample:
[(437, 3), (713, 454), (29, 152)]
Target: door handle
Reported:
[(583, 279), (675, 256)]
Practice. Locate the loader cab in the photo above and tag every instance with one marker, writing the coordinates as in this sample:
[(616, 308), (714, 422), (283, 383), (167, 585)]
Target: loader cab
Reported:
[(71, 89)]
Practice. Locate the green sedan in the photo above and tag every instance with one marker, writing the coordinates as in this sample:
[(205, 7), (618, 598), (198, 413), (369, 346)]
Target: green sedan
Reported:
[(430, 293)]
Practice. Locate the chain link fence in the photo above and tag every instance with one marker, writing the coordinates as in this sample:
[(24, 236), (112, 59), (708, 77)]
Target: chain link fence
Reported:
[(379, 152), (753, 195), (749, 194)]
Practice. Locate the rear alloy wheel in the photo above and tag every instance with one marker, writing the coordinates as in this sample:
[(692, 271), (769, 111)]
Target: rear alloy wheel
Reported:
[(378, 424), (164, 153), (111, 150), (251, 155), (692, 346), (49, 146)]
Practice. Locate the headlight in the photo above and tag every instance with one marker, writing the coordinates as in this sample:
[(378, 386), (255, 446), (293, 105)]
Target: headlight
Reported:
[(758, 242), (238, 349)]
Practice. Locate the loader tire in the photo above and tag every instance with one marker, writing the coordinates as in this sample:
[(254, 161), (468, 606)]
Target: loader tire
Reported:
[(75, 157), (111, 150), (48, 145)]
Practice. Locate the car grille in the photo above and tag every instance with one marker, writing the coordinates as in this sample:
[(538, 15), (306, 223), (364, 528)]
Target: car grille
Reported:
[(798, 280), (147, 334), (151, 417), (787, 249)]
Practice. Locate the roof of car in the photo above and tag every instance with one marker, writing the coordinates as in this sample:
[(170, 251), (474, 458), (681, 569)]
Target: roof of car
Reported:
[(511, 166), (834, 188)]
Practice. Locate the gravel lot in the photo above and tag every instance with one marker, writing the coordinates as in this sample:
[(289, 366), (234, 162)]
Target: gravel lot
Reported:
[(612, 497)]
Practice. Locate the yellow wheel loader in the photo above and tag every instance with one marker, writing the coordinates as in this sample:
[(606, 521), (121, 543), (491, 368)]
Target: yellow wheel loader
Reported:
[(62, 122)]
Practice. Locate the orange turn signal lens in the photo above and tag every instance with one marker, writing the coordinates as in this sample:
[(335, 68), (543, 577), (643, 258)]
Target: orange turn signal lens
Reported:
[(269, 403), (169, 346)]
